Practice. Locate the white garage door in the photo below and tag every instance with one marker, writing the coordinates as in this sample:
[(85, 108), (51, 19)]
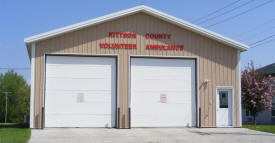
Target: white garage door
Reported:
[(162, 92), (80, 91)]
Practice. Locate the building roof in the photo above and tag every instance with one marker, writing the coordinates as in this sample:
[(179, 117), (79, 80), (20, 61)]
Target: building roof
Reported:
[(269, 69), (130, 11)]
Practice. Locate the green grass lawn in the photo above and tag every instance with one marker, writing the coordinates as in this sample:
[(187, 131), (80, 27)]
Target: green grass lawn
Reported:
[(14, 135), (263, 128)]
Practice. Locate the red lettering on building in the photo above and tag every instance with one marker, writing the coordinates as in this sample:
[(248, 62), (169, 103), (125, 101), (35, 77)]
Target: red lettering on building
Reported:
[(134, 46), (163, 47), (157, 36), (117, 46), (134, 35), (122, 35)]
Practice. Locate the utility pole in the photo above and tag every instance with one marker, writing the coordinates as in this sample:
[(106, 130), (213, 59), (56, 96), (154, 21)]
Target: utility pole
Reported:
[(6, 114)]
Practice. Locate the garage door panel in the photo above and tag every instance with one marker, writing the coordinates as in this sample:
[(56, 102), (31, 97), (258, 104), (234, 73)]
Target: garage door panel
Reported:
[(82, 96), (158, 62), (86, 84), (81, 120), (95, 72), (162, 109), (162, 92), (160, 72), (76, 60), (96, 108), (80, 92), (150, 121), (162, 84), (172, 97)]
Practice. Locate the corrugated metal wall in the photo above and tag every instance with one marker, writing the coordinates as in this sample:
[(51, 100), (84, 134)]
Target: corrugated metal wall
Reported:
[(217, 62)]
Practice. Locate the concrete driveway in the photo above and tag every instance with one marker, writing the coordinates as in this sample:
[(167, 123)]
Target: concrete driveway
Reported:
[(149, 135)]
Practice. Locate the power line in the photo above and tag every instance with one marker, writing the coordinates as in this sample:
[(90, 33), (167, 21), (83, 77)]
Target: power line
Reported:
[(266, 38), (226, 12), (239, 14), (260, 32), (209, 14), (255, 27), (269, 41)]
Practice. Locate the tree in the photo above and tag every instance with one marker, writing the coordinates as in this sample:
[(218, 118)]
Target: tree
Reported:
[(257, 91), (18, 99)]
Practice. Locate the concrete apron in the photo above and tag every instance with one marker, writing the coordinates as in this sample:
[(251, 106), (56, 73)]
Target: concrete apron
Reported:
[(149, 135)]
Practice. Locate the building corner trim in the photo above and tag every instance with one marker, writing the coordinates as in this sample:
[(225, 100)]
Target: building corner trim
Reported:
[(32, 84), (198, 94), (240, 89)]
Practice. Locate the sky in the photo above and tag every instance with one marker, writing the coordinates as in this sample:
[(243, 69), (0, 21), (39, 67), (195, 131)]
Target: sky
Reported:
[(20, 19)]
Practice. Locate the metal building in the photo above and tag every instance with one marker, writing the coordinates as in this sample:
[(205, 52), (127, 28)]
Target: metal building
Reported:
[(138, 67)]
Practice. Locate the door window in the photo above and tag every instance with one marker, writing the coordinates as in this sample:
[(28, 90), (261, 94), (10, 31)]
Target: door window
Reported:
[(223, 99)]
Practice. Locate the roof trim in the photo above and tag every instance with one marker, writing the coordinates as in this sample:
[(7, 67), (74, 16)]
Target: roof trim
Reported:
[(142, 8)]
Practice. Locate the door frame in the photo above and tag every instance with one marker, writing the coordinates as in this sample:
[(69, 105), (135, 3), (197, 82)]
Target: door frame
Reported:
[(195, 58), (115, 56), (232, 102)]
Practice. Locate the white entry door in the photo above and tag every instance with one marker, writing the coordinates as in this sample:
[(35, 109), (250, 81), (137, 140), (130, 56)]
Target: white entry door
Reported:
[(224, 107), (162, 92), (80, 91)]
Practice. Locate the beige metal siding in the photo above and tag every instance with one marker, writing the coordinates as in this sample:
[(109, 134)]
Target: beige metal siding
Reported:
[(217, 62)]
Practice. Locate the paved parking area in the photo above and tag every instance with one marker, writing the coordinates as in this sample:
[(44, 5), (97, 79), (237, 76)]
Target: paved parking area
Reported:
[(149, 135)]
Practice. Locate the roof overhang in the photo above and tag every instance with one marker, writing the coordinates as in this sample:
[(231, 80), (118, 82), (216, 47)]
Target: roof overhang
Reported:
[(130, 11)]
